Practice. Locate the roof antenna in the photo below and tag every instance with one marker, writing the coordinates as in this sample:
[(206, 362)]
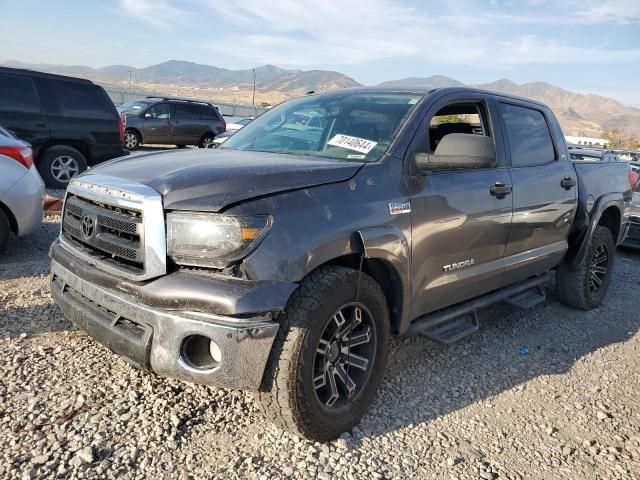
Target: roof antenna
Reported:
[(310, 92)]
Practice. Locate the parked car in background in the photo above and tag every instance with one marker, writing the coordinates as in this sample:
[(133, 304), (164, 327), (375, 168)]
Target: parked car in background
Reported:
[(236, 123), (630, 156), (633, 237), (171, 121), (220, 139), (70, 123), (588, 155), (21, 188)]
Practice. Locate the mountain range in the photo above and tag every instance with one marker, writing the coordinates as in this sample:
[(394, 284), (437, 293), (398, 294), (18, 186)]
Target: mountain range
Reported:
[(585, 114), (579, 114)]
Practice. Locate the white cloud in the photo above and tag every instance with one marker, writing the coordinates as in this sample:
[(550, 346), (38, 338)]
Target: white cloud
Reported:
[(612, 11), (350, 32), (159, 13)]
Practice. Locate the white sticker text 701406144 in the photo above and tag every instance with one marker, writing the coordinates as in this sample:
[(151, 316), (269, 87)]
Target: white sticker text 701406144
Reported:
[(361, 145)]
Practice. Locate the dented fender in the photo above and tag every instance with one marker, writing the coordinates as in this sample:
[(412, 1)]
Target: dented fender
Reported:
[(389, 244)]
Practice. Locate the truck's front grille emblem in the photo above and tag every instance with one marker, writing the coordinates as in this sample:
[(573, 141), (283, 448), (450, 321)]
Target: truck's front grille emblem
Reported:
[(104, 230)]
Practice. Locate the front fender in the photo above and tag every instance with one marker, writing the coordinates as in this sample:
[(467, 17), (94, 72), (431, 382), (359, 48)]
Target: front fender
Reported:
[(389, 244)]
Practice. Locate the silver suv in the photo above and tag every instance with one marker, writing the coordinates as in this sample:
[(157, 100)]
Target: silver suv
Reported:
[(171, 121)]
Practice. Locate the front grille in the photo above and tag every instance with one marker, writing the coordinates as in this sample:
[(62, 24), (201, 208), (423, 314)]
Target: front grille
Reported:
[(109, 233)]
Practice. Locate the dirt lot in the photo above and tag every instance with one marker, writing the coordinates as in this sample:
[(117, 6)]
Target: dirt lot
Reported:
[(538, 394)]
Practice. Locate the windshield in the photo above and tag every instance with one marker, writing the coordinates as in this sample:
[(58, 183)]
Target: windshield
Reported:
[(356, 126), (134, 107)]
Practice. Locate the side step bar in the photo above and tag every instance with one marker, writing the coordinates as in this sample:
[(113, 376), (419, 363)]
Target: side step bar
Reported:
[(454, 323)]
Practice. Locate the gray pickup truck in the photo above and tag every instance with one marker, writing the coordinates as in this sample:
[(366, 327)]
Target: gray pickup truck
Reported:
[(283, 261)]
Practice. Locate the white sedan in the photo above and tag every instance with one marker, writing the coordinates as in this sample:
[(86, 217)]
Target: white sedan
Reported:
[(237, 124)]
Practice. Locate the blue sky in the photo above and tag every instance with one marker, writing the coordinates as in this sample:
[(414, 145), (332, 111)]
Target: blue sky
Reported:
[(582, 45)]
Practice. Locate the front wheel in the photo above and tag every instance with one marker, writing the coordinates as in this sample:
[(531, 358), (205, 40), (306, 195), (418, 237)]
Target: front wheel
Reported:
[(328, 358), (131, 140), (586, 285)]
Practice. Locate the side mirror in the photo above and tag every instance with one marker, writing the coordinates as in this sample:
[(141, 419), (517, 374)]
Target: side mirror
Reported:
[(459, 150), (147, 115)]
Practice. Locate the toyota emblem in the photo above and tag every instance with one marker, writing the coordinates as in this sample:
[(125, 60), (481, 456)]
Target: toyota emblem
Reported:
[(88, 226)]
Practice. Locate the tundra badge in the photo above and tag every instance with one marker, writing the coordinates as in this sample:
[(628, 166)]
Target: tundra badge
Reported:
[(458, 265)]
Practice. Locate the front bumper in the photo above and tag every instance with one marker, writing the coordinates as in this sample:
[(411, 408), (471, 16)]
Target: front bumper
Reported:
[(153, 338)]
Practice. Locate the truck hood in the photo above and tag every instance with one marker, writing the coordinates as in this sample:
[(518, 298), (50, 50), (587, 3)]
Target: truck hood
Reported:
[(211, 179)]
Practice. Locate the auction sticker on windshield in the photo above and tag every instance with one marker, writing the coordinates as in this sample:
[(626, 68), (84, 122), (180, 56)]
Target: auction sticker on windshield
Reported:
[(361, 145)]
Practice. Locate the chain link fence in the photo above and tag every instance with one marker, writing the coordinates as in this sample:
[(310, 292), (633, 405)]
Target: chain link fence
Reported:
[(120, 96)]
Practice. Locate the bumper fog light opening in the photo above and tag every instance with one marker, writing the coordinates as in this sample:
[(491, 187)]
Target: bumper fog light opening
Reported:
[(200, 352)]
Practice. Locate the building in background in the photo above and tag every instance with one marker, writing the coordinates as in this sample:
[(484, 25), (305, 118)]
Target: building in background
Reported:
[(586, 141)]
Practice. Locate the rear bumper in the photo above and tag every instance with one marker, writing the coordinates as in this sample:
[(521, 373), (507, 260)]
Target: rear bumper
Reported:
[(153, 339)]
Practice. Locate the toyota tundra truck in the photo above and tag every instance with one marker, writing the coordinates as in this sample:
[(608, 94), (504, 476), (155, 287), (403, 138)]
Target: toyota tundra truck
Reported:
[(283, 261)]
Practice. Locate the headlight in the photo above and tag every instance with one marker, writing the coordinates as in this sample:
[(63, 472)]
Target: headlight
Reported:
[(212, 240)]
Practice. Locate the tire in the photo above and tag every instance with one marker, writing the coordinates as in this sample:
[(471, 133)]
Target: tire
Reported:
[(5, 230), (58, 164), (206, 141), (132, 140), (297, 392), (586, 285)]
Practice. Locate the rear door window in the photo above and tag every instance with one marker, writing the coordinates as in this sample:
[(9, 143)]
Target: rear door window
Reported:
[(82, 100), (207, 113), (185, 111), (528, 134), (18, 94)]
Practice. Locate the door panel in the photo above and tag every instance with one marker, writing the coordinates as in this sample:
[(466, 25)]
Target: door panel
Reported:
[(21, 111), (542, 207), (456, 219), (158, 128), (188, 127), (542, 213)]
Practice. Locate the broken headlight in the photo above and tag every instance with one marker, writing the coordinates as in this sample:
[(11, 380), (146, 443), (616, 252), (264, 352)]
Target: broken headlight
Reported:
[(211, 239)]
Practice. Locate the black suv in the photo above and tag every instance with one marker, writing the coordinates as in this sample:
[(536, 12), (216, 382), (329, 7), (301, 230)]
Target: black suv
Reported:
[(70, 122), (171, 121)]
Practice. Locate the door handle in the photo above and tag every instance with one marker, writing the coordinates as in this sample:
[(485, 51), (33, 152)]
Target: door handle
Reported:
[(41, 124), (500, 190), (567, 183), (169, 122)]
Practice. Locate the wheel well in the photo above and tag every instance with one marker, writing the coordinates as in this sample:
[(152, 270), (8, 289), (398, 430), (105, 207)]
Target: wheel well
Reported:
[(385, 275), (78, 145), (13, 223), (610, 219)]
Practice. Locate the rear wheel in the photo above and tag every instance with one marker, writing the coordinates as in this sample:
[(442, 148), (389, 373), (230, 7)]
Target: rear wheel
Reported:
[(586, 285), (328, 359), (58, 164), (206, 141)]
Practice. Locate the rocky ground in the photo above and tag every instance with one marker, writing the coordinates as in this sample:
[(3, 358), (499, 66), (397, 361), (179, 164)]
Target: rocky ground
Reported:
[(538, 394)]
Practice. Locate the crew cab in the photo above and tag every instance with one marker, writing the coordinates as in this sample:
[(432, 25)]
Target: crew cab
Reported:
[(282, 263)]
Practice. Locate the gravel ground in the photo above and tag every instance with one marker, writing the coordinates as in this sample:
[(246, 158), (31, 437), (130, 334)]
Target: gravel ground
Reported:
[(566, 407)]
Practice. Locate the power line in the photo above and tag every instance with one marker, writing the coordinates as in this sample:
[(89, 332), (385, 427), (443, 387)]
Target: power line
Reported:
[(33, 45)]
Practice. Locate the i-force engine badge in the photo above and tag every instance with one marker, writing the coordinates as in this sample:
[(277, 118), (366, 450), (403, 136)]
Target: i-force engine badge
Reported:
[(397, 208)]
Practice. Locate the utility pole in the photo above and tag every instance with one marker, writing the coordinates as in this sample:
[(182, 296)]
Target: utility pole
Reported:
[(130, 76), (253, 101)]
